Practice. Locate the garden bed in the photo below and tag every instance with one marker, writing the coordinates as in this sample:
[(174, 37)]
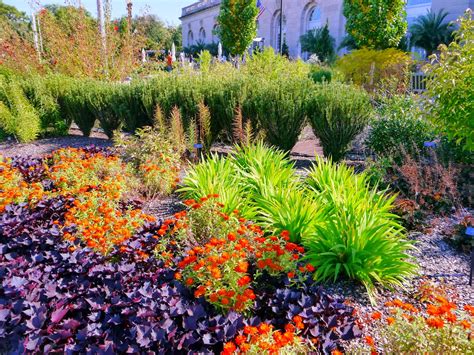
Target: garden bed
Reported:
[(68, 286)]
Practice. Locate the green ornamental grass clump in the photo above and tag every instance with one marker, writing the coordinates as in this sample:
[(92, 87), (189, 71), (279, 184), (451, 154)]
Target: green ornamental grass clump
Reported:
[(357, 236), (346, 226)]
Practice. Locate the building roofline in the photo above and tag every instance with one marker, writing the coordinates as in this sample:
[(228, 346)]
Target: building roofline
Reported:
[(198, 7)]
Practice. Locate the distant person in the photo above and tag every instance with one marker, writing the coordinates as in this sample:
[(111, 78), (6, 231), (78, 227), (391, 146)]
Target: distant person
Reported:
[(169, 62)]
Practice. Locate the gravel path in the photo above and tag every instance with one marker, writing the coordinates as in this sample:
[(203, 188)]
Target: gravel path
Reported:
[(45, 146)]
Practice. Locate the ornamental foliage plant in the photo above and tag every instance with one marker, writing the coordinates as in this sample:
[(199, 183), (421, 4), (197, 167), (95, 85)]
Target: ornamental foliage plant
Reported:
[(357, 237), (376, 70), (451, 74), (237, 24), (399, 127), (377, 24)]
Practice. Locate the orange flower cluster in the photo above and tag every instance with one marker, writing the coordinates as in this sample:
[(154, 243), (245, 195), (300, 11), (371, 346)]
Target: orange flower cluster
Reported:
[(75, 171), (436, 315), (264, 339), (13, 189), (219, 269)]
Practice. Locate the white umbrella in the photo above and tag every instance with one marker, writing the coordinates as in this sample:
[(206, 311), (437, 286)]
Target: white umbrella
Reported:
[(173, 52), (219, 51)]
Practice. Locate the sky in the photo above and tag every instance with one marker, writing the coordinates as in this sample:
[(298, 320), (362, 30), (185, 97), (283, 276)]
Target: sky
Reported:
[(167, 10)]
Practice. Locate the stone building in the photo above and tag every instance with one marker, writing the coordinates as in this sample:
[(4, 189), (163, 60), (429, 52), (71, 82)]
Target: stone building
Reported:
[(299, 16)]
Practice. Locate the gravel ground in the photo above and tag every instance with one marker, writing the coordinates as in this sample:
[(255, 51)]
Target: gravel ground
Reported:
[(45, 146)]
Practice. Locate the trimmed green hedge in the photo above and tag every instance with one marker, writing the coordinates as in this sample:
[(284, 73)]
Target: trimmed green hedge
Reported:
[(276, 105)]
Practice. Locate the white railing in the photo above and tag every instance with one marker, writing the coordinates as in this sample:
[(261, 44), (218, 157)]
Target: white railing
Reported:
[(418, 82)]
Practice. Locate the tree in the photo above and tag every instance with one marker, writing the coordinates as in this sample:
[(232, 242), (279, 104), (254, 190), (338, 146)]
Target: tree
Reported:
[(18, 20), (320, 42), (431, 30), (158, 34), (377, 24), (237, 24), (450, 88)]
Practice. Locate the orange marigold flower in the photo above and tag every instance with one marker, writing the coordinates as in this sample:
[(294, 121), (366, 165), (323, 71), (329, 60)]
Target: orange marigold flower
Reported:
[(229, 348), (369, 340), (264, 328), (451, 317), (240, 339), (376, 315), (465, 324), (470, 309), (242, 267), (297, 319), (189, 281), (310, 267), (337, 352), (435, 322), (250, 330), (291, 274), (285, 234), (390, 320), (244, 280)]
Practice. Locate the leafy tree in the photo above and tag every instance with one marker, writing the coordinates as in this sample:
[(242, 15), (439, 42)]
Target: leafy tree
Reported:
[(320, 42), (431, 30), (158, 35), (375, 24), (451, 77), (237, 24), (18, 20)]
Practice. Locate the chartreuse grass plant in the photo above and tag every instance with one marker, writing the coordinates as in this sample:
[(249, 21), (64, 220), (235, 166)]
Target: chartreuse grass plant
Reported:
[(218, 176), (356, 236)]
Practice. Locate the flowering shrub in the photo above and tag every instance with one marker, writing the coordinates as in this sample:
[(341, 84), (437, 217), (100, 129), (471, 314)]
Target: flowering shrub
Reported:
[(439, 328), (14, 189), (154, 156), (224, 254), (264, 338)]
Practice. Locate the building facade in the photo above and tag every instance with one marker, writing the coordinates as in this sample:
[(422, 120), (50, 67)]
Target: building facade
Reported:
[(199, 20)]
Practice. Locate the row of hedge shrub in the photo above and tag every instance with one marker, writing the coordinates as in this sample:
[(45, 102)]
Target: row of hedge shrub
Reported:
[(276, 105)]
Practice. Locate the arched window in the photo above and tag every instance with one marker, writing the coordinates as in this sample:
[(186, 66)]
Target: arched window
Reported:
[(190, 38), (314, 19), (215, 36), (202, 35), (277, 28)]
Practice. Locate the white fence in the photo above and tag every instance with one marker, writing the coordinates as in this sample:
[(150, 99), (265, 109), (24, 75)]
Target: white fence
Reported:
[(418, 82)]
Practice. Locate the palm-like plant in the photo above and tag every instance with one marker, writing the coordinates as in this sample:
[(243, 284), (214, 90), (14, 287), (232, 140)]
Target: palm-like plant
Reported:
[(431, 30)]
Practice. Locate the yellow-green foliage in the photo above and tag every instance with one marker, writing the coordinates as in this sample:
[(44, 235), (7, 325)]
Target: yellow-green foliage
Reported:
[(17, 116), (376, 69)]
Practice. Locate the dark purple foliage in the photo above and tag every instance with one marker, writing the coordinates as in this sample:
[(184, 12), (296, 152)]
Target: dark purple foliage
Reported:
[(79, 301), (32, 169), (325, 317)]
